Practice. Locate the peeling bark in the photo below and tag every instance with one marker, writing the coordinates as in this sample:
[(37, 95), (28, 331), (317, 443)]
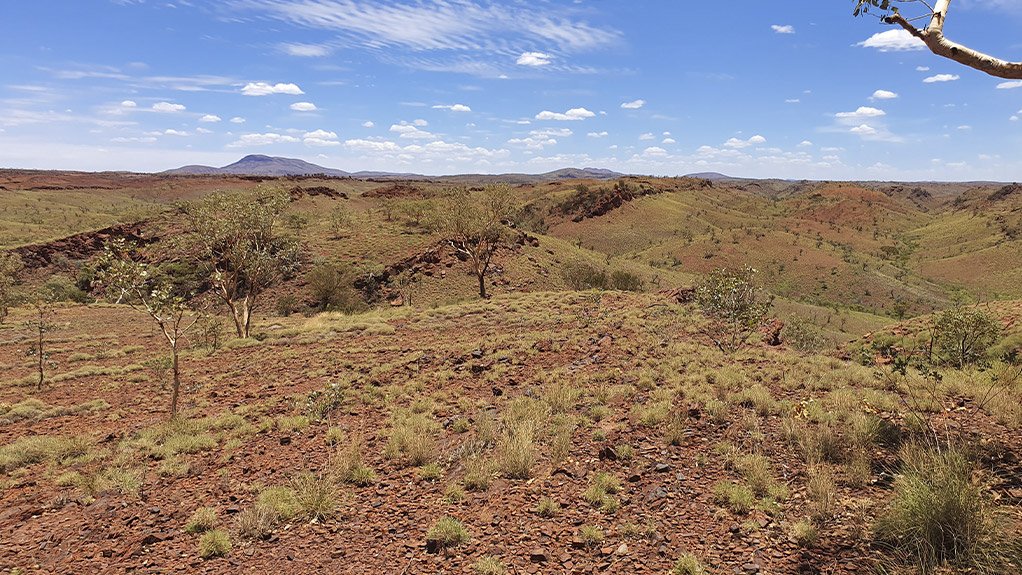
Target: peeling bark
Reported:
[(933, 37)]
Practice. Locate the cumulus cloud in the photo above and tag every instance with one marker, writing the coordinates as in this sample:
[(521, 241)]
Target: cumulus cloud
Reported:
[(922, 68), (883, 95), (266, 139), (534, 59), (167, 107), (573, 114), (893, 41), (304, 107), (668, 141), (172, 132), (783, 28), (634, 104), (368, 124), (453, 107), (805, 144), (940, 78), (647, 136), (237, 120), (737, 144), (1010, 85), (654, 152), (128, 104), (597, 134), (320, 138), (265, 89), (210, 118), (411, 131), (864, 130), (861, 112)]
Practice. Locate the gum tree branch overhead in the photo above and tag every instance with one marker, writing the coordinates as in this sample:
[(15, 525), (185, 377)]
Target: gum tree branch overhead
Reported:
[(933, 36)]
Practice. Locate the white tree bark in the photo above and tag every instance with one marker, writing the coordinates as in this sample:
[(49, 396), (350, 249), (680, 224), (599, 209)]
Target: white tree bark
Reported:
[(933, 37)]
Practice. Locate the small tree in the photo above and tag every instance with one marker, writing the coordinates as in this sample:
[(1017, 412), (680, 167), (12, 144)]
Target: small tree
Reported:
[(735, 306), (237, 242), (134, 283), (340, 219), (962, 335), (40, 323), (477, 225), (10, 270)]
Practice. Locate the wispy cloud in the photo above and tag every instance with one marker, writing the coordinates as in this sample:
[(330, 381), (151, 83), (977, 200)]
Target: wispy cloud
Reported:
[(634, 104), (573, 114), (265, 89), (783, 28)]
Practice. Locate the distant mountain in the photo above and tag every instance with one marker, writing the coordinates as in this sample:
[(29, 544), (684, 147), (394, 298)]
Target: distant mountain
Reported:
[(711, 176), (259, 165)]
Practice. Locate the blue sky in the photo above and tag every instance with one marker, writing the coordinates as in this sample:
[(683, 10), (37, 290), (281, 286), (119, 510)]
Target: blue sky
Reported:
[(665, 87)]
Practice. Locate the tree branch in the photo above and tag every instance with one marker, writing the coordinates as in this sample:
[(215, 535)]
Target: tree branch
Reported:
[(933, 37)]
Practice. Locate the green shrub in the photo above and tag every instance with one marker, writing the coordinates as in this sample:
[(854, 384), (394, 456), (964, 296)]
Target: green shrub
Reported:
[(802, 336), (688, 564), (216, 543), (203, 519), (940, 515), (625, 281), (734, 305), (963, 335), (582, 275), (447, 532), (489, 565)]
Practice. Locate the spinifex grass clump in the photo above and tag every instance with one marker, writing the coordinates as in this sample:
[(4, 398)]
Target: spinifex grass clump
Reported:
[(941, 514)]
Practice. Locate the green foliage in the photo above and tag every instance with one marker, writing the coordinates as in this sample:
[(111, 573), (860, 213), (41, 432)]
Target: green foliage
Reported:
[(803, 336), (202, 520), (625, 281), (962, 335), (447, 532), (214, 543), (735, 306), (582, 275), (330, 285), (941, 515), (688, 564), (240, 248), (11, 267), (476, 225)]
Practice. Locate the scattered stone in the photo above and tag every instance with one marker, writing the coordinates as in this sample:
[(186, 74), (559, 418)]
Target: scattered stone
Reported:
[(661, 468), (538, 556)]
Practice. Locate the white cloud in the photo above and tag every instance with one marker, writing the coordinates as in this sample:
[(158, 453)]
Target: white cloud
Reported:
[(534, 59), (783, 29), (964, 127), (368, 124), (173, 132), (647, 136), (411, 131), (128, 104), (265, 89), (793, 101), (805, 144), (237, 120), (737, 144), (305, 50), (262, 140), (883, 95), (203, 131), (571, 115), (941, 78), (167, 107), (922, 68), (669, 141), (420, 122), (864, 130), (320, 138), (303, 107), (597, 134), (634, 104), (139, 140), (654, 152), (893, 41), (861, 112), (210, 118), (1010, 85), (453, 107)]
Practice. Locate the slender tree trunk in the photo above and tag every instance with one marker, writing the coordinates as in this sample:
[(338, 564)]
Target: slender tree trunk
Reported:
[(39, 353), (177, 382), (482, 284), (239, 324)]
